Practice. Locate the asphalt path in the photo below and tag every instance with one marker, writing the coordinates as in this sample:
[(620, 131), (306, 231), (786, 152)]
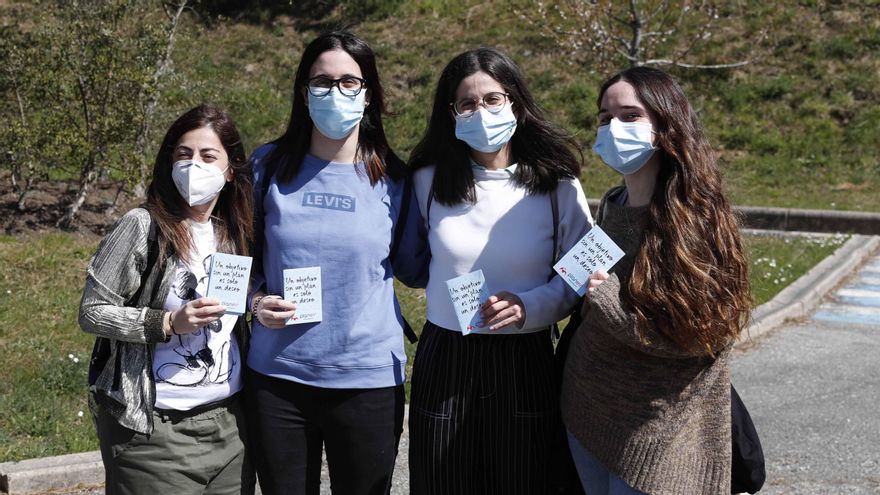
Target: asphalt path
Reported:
[(813, 390)]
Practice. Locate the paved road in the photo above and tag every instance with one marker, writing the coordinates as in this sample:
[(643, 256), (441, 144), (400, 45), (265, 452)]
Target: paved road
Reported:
[(813, 390)]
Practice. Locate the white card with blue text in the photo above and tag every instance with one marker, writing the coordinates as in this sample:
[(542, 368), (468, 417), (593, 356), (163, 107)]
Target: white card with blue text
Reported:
[(468, 293), (302, 286), (228, 281), (594, 252)]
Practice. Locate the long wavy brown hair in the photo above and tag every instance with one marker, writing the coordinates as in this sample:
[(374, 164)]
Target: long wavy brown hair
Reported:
[(690, 278), (233, 213)]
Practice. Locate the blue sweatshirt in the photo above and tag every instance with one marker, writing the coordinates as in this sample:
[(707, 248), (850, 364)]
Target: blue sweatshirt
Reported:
[(331, 216)]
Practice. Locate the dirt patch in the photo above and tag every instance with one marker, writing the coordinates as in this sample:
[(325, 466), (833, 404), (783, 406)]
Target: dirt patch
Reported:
[(48, 201)]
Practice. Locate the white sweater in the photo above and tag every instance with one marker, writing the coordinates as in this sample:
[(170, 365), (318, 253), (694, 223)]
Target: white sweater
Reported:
[(507, 233)]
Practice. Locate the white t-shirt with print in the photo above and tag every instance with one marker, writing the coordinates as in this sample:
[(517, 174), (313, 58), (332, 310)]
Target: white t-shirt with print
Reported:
[(204, 366)]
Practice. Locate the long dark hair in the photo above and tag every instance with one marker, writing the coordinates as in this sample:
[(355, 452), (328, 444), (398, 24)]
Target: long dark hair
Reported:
[(543, 152), (233, 213), (690, 278), (372, 147)]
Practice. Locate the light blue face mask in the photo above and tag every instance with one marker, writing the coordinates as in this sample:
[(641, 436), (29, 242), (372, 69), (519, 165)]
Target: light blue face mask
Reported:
[(336, 115), (625, 146), (486, 131)]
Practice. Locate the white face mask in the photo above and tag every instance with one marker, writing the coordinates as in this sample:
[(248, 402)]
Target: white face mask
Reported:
[(197, 182), (486, 131), (625, 146)]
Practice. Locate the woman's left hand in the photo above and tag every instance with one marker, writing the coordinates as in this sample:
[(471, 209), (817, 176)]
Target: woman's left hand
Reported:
[(502, 309)]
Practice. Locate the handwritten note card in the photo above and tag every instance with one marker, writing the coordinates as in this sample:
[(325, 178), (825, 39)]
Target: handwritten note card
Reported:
[(594, 252), (228, 280), (468, 293), (302, 286)]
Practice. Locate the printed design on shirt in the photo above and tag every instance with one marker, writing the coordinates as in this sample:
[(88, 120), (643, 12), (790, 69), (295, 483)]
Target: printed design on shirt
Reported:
[(196, 365), (329, 201)]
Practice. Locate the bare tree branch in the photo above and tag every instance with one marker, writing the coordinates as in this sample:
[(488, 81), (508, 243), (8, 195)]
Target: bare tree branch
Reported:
[(696, 66), (661, 7), (152, 99)]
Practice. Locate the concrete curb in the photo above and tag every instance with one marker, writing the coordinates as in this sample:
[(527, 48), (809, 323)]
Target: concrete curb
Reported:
[(857, 222), (800, 298), (789, 219), (52, 473)]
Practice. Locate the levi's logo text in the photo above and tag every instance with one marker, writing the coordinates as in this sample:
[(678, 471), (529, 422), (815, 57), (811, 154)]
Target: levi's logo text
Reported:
[(329, 201)]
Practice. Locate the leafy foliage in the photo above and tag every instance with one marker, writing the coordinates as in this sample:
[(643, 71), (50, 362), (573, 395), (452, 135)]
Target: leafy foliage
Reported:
[(78, 81), (796, 127)]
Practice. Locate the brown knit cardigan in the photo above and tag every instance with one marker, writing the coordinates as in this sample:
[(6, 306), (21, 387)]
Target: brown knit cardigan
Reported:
[(653, 415)]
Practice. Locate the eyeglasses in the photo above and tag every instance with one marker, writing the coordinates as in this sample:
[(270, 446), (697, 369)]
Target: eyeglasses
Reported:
[(493, 102), (349, 85)]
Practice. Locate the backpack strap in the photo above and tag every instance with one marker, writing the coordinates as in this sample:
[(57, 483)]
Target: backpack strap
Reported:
[(152, 258), (428, 206), (268, 173), (257, 244), (402, 215), (554, 208)]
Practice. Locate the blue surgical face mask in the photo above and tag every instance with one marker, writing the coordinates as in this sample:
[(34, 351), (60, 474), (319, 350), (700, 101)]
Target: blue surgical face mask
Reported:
[(336, 115), (486, 131), (625, 146)]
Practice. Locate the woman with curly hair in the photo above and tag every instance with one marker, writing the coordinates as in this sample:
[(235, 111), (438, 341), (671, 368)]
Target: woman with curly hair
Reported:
[(646, 388)]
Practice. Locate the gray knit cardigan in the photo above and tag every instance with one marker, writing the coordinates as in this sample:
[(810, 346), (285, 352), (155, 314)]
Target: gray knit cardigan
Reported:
[(655, 416), (125, 386)]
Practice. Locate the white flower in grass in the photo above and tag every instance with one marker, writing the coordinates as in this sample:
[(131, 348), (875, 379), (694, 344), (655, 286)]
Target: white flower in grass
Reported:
[(79, 414), (8, 291), (70, 356), (75, 359)]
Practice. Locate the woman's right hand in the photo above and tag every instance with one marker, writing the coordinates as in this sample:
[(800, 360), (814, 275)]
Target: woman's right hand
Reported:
[(596, 280), (273, 311), (196, 314)]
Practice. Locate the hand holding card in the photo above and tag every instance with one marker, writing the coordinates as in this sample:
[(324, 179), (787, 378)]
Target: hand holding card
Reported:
[(302, 286), (228, 281), (594, 252), (468, 293)]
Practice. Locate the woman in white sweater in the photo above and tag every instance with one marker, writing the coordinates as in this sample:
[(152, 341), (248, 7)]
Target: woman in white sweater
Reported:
[(498, 187)]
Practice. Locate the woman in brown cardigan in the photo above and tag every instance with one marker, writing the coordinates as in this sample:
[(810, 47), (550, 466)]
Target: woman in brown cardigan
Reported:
[(646, 389)]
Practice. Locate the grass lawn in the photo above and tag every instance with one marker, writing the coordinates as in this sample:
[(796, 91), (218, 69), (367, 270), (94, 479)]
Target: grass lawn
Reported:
[(43, 408)]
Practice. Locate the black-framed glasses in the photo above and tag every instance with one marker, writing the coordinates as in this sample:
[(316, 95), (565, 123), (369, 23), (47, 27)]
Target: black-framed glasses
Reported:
[(493, 102), (349, 85)]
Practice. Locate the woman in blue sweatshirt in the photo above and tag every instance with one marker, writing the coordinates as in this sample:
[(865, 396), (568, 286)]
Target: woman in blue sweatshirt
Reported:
[(329, 193)]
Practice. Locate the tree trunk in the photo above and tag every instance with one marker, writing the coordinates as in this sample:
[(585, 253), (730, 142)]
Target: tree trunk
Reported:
[(152, 101), (85, 187), (120, 193), (15, 175), (22, 194)]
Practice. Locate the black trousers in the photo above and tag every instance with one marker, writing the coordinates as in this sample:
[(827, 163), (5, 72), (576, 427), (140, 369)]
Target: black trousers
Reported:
[(483, 409), (290, 423)]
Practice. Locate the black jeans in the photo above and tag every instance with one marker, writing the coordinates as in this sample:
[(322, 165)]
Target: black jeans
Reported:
[(483, 410), (290, 422)]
